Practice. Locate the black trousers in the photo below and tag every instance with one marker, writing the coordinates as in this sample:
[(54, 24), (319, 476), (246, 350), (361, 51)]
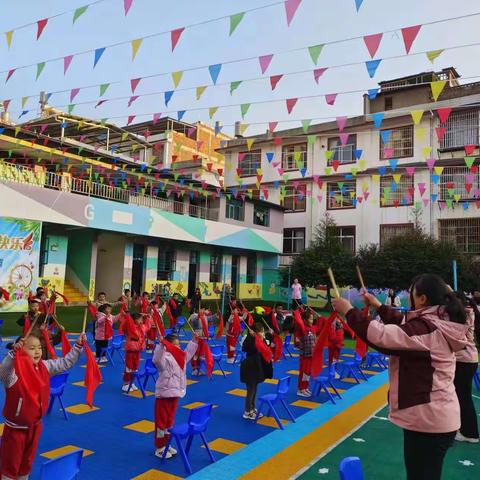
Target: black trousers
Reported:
[(464, 373), (99, 344), (251, 398), (424, 453)]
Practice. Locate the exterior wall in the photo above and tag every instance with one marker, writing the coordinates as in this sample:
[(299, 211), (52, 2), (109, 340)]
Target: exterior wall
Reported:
[(54, 270), (182, 265), (111, 258), (151, 264), (79, 259)]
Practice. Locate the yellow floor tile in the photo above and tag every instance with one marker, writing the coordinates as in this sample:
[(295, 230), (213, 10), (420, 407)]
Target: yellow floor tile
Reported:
[(295, 355), (99, 366), (339, 390), (63, 451), (272, 381), (138, 394), (305, 404), (190, 406), (80, 409), (369, 372), (271, 422), (225, 446), (156, 475), (82, 384), (219, 372), (349, 380), (239, 392), (293, 372), (350, 355), (1, 428), (191, 382), (143, 426)]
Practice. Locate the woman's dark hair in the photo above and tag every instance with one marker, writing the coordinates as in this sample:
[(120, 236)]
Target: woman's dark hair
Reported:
[(171, 337), (438, 294), (258, 328), (470, 302), (306, 315)]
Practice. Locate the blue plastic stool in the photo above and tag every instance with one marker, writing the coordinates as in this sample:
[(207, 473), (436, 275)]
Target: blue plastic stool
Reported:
[(270, 399), (476, 379), (197, 425), (180, 325), (217, 355), (65, 467), (117, 346), (351, 469), (324, 382), (141, 378), (57, 386), (286, 347), (351, 369), (240, 355), (373, 358)]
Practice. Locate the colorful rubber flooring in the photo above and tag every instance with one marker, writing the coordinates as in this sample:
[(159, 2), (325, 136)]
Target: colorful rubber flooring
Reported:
[(117, 435)]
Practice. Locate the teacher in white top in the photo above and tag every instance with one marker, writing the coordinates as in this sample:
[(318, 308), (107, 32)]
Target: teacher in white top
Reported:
[(296, 293)]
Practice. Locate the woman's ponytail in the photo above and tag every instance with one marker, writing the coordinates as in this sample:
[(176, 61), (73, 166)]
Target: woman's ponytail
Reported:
[(455, 308)]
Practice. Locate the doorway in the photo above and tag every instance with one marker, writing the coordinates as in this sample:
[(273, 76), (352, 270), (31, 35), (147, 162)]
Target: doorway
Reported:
[(235, 271), (137, 268), (192, 272)]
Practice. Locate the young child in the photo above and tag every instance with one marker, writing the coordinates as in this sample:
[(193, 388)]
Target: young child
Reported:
[(336, 336), (135, 342), (104, 329), (253, 370), (171, 363), (306, 345), (26, 402), (143, 302), (153, 331), (175, 304), (199, 321), (234, 329)]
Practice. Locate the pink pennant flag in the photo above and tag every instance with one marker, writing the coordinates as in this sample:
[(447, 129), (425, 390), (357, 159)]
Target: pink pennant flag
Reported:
[(277, 141), (444, 113), (127, 4), (6, 104), (241, 156), (156, 117), (274, 80), (319, 198), (330, 98), (440, 131), (281, 171), (430, 163), (426, 201), (175, 36), (410, 170), (200, 144), (291, 7), (130, 119), (134, 84), (421, 188), (9, 74), (191, 131), (99, 103), (41, 24), (272, 126), (265, 62), (469, 149), (318, 72), (43, 128), (388, 152), (343, 138), (66, 63), (73, 93), (372, 43), (291, 102), (132, 99), (341, 121), (409, 35)]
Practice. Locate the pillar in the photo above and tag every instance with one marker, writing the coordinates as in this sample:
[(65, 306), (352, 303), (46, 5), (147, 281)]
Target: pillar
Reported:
[(151, 266), (127, 266), (204, 267)]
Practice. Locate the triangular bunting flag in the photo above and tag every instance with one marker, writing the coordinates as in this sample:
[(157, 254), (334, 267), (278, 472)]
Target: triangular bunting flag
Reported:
[(244, 109), (168, 96), (9, 74), (409, 35), (135, 46), (79, 12), (234, 86), (358, 4), (433, 54), (175, 36), (66, 63), (372, 42), (291, 102), (291, 7), (215, 72), (103, 88), (437, 88), (306, 125), (73, 93), (341, 122), (372, 66), (40, 67), (315, 52), (235, 20), (416, 116), (133, 84), (98, 55), (9, 36), (41, 24), (330, 98), (199, 92), (177, 77), (265, 62), (444, 113), (127, 4), (378, 119), (130, 119), (212, 111), (274, 81), (317, 73)]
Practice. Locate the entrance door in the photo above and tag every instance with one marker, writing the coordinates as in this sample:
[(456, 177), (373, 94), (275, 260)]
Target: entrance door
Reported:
[(235, 272), (137, 268), (192, 272)]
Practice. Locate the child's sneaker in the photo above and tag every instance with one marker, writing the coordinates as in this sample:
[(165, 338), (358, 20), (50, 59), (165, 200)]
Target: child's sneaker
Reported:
[(307, 390), (304, 393), (461, 438), (159, 453), (133, 388), (247, 415), (230, 360), (260, 415), (125, 388), (172, 450), (195, 373), (103, 360)]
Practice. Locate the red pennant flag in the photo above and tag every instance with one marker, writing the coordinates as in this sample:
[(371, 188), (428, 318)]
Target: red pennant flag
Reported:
[(262, 348), (178, 354), (92, 310), (372, 43), (128, 327), (130, 119), (41, 24), (274, 321), (175, 36), (158, 321), (4, 293), (236, 326), (440, 131), (63, 297), (207, 354), (249, 319), (277, 340), (204, 323), (221, 325), (272, 126), (317, 73), (469, 149), (66, 347), (444, 113), (46, 338), (291, 102), (274, 80), (170, 316), (93, 376), (409, 35), (9, 74), (134, 84)]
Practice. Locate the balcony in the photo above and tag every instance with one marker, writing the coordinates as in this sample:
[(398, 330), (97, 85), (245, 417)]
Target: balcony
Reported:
[(40, 178)]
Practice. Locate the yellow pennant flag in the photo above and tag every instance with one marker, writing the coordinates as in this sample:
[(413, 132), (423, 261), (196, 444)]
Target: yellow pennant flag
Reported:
[(416, 116), (177, 77), (438, 170), (9, 36), (135, 46), (397, 177), (212, 111), (374, 201), (433, 54), (250, 142), (24, 101), (17, 130), (200, 91), (364, 186), (437, 88), (376, 178), (427, 151), (243, 128), (124, 136), (420, 133), (362, 163), (354, 171)]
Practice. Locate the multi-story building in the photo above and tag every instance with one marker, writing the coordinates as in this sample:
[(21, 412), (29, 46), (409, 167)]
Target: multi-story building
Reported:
[(402, 161), (82, 212)]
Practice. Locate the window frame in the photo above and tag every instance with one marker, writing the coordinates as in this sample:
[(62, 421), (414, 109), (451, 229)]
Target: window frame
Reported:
[(293, 239), (382, 146), (166, 273), (266, 213), (342, 236), (331, 206), (467, 227), (403, 177), (407, 226), (339, 147), (235, 205), (251, 277), (289, 157), (293, 195), (215, 274), (248, 172)]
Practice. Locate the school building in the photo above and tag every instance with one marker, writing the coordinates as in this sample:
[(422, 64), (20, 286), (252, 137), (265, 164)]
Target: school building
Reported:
[(83, 212)]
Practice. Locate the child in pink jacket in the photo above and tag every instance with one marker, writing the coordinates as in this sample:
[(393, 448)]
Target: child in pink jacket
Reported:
[(422, 346), (171, 385)]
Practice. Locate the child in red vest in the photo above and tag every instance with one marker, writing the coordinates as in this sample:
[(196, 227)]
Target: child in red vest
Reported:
[(336, 336), (234, 329), (27, 387), (171, 385), (306, 344), (135, 329), (104, 329), (153, 331)]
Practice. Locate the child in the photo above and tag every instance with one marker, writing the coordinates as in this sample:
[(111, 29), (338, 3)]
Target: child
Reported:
[(253, 370), (143, 301), (306, 345), (336, 336), (199, 322), (175, 304), (126, 299), (104, 329), (392, 299), (170, 361), (26, 402), (134, 344), (153, 331), (234, 329)]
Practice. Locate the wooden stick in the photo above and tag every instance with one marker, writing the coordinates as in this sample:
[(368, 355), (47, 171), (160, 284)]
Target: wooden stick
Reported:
[(84, 320), (31, 327), (266, 324), (334, 284), (248, 326), (360, 278)]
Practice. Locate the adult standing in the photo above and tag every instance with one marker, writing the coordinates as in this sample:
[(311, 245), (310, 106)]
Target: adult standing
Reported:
[(195, 301), (296, 294)]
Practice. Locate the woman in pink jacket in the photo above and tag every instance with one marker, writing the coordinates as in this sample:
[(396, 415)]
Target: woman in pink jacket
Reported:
[(422, 346), (171, 386)]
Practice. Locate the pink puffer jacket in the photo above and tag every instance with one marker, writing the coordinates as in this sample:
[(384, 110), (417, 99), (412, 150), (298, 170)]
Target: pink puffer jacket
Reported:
[(138, 344)]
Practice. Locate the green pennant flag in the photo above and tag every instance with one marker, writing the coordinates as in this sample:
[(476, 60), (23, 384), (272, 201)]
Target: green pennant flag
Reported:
[(235, 20), (469, 161), (234, 86), (315, 52), (79, 12), (450, 203), (244, 109), (103, 88), (212, 111), (71, 106), (433, 54), (329, 154), (311, 139), (306, 125), (40, 67)]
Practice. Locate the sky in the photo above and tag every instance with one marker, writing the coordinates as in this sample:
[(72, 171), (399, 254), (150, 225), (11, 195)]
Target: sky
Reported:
[(261, 32)]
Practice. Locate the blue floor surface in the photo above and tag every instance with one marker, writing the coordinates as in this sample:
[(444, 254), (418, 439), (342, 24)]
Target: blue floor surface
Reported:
[(122, 453)]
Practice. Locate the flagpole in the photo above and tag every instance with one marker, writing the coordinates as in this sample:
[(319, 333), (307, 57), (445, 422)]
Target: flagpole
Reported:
[(84, 321), (31, 326), (332, 281), (455, 278), (360, 278)]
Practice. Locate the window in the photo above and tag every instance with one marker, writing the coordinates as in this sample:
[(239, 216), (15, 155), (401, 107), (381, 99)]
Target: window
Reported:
[(249, 162), (261, 216), (346, 235), (342, 153), (166, 263), (458, 181), (462, 128), (400, 141), (463, 232), (251, 269), (387, 232), (294, 199), (294, 157), (215, 267), (395, 194), (235, 209), (293, 240), (341, 195), (388, 103)]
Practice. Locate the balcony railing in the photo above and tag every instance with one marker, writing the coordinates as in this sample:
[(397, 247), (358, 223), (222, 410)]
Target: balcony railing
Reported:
[(10, 172)]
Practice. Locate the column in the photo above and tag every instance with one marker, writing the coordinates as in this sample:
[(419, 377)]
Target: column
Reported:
[(243, 269), (227, 269), (127, 266), (151, 265), (204, 267), (93, 269)]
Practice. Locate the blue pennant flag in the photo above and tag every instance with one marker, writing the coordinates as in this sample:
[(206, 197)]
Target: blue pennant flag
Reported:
[(372, 66), (23, 113), (215, 72), (393, 163), (385, 134), (358, 154), (218, 128), (378, 119), (382, 171), (180, 114), (98, 55), (465, 205), (223, 143), (168, 96), (348, 176), (270, 156), (303, 171), (276, 184), (372, 93), (358, 4)]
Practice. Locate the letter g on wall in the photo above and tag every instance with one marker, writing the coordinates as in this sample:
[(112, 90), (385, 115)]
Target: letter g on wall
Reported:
[(89, 212)]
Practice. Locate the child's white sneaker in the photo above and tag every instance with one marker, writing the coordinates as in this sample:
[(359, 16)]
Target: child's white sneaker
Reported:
[(247, 415), (254, 412), (304, 393), (172, 450), (461, 438), (103, 360), (230, 360), (133, 388), (125, 388), (159, 453)]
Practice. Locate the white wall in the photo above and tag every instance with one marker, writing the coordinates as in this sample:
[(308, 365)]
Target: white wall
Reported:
[(109, 272)]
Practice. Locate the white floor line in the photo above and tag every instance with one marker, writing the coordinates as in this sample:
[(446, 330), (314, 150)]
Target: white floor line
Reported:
[(329, 449)]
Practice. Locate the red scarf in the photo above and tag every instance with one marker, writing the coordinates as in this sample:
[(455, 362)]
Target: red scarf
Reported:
[(129, 327), (66, 347), (93, 376), (92, 309), (26, 324), (158, 321), (274, 322), (144, 306), (320, 344), (249, 318), (170, 316), (361, 348), (262, 348), (178, 354), (173, 303), (63, 297), (207, 354), (50, 349), (300, 329), (221, 326), (108, 329), (204, 323), (277, 340), (236, 326)]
